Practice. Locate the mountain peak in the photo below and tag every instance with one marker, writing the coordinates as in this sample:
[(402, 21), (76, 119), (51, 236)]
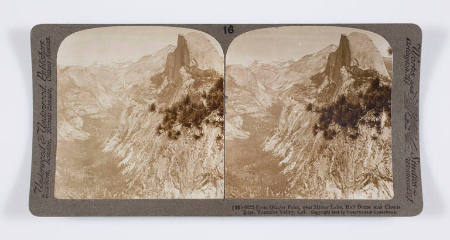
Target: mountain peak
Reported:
[(178, 58), (355, 49), (339, 58), (205, 51), (365, 54)]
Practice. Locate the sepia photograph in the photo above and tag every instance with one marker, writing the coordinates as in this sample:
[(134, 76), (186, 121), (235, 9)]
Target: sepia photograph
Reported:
[(140, 114), (308, 114), (225, 119)]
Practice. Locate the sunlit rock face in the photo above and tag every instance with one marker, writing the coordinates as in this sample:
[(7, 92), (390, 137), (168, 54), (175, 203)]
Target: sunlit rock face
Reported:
[(126, 130), (338, 59), (311, 128), (365, 55), (177, 59), (356, 50)]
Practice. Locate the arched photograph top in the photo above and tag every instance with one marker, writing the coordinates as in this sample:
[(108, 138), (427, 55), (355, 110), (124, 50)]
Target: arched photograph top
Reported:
[(309, 114), (140, 114)]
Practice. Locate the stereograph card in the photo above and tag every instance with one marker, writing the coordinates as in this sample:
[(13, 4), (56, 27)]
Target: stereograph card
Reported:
[(226, 120)]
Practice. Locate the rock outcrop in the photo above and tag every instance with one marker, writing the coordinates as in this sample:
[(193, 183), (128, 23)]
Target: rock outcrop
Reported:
[(365, 54), (327, 127), (113, 112), (338, 59), (172, 151), (205, 53), (355, 50), (178, 58)]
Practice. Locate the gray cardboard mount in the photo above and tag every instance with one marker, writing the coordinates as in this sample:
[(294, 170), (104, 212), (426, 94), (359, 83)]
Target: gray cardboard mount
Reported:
[(405, 41)]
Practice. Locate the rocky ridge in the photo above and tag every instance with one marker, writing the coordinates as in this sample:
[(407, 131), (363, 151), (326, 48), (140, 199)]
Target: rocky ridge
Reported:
[(130, 100), (352, 159)]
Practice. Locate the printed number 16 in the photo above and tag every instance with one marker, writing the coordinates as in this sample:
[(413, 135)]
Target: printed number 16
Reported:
[(228, 29)]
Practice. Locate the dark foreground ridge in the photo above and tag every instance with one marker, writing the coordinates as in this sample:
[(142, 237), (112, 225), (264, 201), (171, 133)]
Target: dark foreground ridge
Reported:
[(348, 112), (189, 113)]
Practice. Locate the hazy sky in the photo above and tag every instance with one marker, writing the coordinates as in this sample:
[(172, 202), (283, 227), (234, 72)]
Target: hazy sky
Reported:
[(107, 45), (293, 42)]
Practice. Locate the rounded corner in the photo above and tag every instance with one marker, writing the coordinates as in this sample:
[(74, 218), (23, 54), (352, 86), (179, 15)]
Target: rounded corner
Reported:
[(237, 37), (416, 27), (33, 210), (217, 43), (416, 211), (36, 28)]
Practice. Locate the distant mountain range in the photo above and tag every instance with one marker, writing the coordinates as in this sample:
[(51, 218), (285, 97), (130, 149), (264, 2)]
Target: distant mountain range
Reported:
[(113, 111), (317, 127), (323, 119)]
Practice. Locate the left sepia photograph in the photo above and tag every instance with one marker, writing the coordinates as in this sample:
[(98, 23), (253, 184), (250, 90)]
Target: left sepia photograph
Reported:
[(140, 114)]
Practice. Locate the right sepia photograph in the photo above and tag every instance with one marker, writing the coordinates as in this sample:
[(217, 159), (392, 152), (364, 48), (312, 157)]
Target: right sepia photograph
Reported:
[(308, 114)]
